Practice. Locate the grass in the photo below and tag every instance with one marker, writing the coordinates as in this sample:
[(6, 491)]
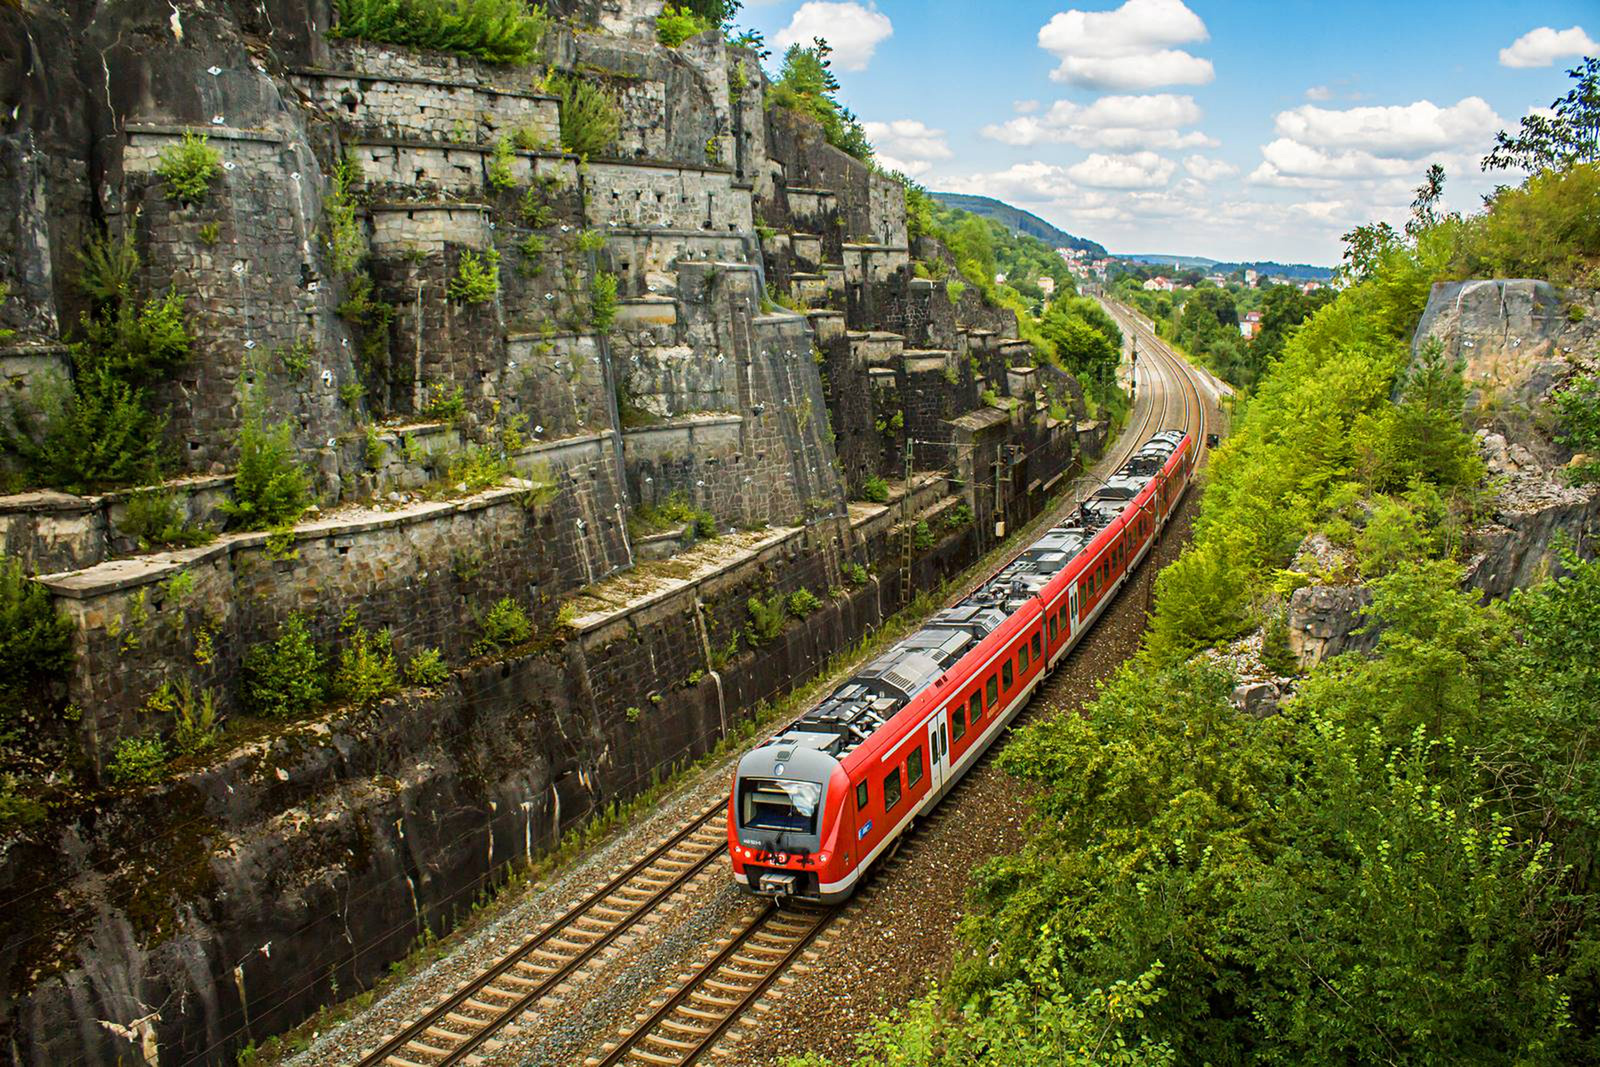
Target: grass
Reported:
[(498, 31)]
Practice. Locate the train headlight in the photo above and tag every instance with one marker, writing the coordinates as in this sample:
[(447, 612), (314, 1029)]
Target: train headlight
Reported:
[(822, 857)]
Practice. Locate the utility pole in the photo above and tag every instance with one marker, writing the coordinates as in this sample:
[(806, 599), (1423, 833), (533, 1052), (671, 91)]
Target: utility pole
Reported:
[(999, 498)]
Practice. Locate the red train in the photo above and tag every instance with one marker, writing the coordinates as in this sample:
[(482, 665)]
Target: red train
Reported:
[(814, 807)]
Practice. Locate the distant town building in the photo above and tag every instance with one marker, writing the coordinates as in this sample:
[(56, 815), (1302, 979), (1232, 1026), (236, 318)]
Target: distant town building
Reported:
[(1310, 287), (1217, 280), (1250, 325), (1047, 285), (1250, 277), (1160, 283)]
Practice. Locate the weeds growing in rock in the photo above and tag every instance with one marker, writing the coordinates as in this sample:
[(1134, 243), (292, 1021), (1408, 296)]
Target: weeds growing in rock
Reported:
[(283, 677), (35, 641), (875, 490), (344, 240), (270, 487), (856, 573), (501, 173), (603, 301), (766, 618), (499, 31), (803, 602), (443, 403), (676, 25), (477, 278), (156, 520), (1577, 407), (504, 626), (590, 120), (195, 723), (188, 168), (367, 671), (137, 761), (427, 668)]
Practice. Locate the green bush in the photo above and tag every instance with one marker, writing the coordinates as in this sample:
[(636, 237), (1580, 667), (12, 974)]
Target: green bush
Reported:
[(196, 725), (766, 618), (476, 468), (270, 487), (806, 85), (504, 626), (501, 174), (676, 25), (1547, 228), (499, 31), (283, 677), (155, 519), (189, 167), (477, 278), (35, 641), (590, 120), (367, 671), (875, 490), (427, 668), (441, 402), (603, 301), (345, 245), (803, 602), (97, 431), (856, 573), (137, 761), (1577, 410)]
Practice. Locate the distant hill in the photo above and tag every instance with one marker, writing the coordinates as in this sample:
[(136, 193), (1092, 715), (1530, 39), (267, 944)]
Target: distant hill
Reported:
[(1018, 221), (1303, 271)]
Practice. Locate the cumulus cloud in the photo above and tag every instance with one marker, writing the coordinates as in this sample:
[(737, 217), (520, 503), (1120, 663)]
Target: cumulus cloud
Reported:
[(1319, 93), (1115, 122), (1130, 47), (854, 30), (1543, 46), (1025, 107), (1404, 131), (1137, 170), (1031, 183), (1207, 169), (908, 138)]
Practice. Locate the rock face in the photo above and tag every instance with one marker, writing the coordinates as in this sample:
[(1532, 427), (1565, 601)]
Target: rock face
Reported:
[(1323, 620), (1520, 341)]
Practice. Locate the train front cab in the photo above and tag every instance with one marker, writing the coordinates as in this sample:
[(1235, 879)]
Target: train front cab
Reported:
[(784, 817)]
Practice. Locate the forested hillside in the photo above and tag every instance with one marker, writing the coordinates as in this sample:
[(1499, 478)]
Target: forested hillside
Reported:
[(1394, 859)]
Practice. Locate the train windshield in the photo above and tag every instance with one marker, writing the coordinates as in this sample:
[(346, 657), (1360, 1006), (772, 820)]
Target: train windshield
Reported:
[(778, 804)]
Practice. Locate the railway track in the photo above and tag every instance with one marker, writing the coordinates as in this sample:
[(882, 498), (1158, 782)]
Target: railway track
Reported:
[(684, 1025), (465, 1024), (687, 1024)]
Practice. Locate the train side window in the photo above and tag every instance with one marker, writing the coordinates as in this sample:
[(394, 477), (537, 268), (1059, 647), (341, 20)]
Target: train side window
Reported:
[(1036, 652), (991, 692), (975, 708), (958, 723), (1006, 677), (891, 788), (914, 767), (1022, 659), (1053, 630), (861, 796)]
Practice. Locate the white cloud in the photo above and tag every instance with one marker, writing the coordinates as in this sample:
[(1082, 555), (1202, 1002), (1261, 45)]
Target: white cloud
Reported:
[(1138, 170), (1025, 107), (1130, 47), (1319, 93), (1292, 158), (1030, 183), (854, 30), (1543, 46), (1207, 169), (1114, 122), (1400, 131), (911, 168), (908, 138)]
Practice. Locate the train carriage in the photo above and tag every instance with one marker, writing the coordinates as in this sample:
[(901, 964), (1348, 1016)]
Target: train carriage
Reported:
[(813, 808)]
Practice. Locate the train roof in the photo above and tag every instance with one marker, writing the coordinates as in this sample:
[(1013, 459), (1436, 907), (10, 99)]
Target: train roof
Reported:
[(854, 711)]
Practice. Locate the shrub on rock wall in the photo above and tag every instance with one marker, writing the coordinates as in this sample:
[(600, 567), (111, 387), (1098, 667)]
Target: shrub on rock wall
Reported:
[(875, 490), (477, 278), (590, 120), (676, 25), (367, 671), (96, 430), (137, 761), (603, 301), (283, 677), (1577, 408), (188, 168), (505, 625), (35, 641), (155, 519), (270, 487), (499, 31), (427, 668)]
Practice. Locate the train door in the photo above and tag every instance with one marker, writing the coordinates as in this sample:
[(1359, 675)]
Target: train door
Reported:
[(1072, 606), (938, 751)]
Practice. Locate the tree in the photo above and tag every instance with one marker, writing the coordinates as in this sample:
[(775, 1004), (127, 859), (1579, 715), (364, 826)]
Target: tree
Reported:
[(1081, 348), (1551, 142), (1364, 249), (806, 84)]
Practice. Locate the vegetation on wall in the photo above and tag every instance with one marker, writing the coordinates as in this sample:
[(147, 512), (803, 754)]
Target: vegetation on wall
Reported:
[(189, 167), (590, 119), (270, 487), (806, 84), (97, 430), (499, 31)]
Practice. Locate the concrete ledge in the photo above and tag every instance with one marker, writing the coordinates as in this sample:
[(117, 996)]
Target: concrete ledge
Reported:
[(407, 79)]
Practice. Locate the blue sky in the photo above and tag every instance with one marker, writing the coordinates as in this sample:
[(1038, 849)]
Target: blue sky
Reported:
[(1237, 131)]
